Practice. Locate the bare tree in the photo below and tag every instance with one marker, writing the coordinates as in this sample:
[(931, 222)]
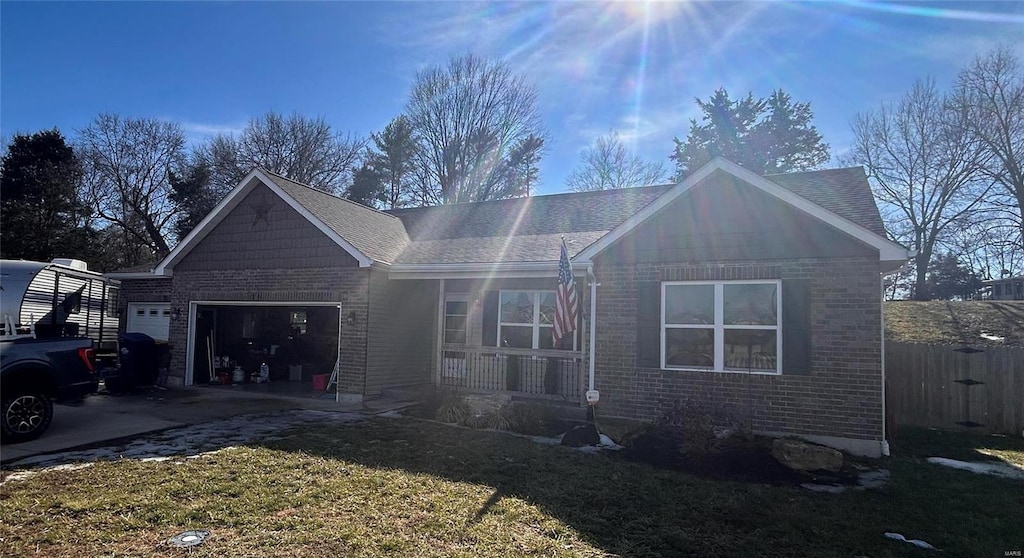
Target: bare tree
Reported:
[(991, 91), (924, 167), (987, 242), (126, 163), (303, 149), (608, 165), (475, 123)]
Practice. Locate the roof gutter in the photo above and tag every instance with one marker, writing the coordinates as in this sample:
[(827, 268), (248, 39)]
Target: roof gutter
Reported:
[(137, 275), (474, 270)]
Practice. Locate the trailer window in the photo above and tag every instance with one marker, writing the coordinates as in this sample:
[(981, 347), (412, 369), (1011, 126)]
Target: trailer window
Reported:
[(112, 302)]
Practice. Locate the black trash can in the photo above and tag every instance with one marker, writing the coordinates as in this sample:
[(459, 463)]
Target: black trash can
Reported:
[(139, 359)]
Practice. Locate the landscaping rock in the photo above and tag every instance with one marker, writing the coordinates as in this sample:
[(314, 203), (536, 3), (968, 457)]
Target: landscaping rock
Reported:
[(802, 456), (583, 435)]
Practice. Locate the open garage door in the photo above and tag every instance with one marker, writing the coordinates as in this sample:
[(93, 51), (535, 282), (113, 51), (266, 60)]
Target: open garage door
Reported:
[(295, 340), (151, 318)]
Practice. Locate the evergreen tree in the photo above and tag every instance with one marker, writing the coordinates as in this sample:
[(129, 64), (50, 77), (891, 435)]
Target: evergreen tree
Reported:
[(767, 136), (387, 179), (194, 194), (947, 279), (42, 217), (367, 187)]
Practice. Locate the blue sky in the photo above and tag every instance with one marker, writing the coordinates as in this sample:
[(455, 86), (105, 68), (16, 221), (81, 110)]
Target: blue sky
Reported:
[(633, 67)]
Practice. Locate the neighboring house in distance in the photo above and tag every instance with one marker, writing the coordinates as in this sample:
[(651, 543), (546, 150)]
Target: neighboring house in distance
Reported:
[(761, 293), (1007, 288)]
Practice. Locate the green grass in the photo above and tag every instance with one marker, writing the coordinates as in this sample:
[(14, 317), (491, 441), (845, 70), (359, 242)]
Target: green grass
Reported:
[(409, 488), (952, 322)]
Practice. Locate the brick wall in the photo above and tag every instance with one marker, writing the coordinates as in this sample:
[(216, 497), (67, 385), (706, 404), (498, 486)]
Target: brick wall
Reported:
[(144, 290), (841, 396), (349, 286), (141, 290)]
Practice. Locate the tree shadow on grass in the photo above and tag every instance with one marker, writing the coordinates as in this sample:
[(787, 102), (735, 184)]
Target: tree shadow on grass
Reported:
[(964, 446), (622, 507)]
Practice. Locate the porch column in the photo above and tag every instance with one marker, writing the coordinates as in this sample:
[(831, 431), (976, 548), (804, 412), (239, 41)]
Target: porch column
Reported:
[(439, 341)]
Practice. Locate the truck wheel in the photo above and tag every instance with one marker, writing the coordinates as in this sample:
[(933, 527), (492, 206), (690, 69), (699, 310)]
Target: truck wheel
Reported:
[(26, 415)]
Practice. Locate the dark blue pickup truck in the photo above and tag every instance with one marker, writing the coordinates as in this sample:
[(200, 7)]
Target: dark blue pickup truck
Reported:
[(35, 373)]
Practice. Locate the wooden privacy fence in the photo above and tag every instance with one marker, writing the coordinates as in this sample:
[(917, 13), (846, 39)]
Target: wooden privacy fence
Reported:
[(949, 386)]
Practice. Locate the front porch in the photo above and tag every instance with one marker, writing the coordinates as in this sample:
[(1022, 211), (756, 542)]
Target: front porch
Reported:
[(539, 373), (495, 335)]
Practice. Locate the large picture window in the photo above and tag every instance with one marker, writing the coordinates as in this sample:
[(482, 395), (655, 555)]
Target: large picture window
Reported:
[(726, 326), (526, 319)]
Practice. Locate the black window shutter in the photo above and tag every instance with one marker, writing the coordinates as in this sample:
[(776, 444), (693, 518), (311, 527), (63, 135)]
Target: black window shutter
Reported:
[(648, 324), (796, 327), (490, 314)]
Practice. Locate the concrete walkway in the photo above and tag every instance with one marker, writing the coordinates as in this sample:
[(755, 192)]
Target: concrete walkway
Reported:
[(101, 419)]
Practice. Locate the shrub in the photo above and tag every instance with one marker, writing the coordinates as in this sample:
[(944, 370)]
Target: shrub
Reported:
[(449, 406), (695, 424), (502, 418)]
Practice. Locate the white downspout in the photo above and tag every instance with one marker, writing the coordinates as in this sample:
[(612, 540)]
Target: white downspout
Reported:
[(885, 443), (593, 322)]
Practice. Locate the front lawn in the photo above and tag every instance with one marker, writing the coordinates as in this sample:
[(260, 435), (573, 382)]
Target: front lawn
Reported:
[(389, 487)]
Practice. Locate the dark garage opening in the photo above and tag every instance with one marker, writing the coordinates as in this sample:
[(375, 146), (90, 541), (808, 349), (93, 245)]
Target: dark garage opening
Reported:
[(295, 342)]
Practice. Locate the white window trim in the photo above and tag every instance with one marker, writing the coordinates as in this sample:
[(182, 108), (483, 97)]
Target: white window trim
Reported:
[(720, 327), (535, 324)]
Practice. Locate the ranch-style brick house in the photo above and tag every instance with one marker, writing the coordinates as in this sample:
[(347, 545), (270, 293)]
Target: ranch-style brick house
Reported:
[(762, 293)]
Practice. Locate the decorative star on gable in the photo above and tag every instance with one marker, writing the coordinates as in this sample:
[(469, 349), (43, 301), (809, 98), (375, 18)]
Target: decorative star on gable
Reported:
[(261, 209)]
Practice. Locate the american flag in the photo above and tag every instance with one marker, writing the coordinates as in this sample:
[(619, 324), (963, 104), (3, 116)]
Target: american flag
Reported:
[(566, 303)]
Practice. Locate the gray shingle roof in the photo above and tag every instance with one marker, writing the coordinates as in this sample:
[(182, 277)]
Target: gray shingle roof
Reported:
[(845, 192), (529, 229), (518, 230), (374, 233)]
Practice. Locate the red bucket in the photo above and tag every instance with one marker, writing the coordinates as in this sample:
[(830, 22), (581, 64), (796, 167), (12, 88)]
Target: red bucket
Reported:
[(320, 382)]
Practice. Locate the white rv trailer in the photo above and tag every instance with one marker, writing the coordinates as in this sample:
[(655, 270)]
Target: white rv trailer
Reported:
[(56, 299)]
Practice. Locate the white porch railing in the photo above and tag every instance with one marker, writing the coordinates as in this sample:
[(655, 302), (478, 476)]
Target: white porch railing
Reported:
[(530, 371)]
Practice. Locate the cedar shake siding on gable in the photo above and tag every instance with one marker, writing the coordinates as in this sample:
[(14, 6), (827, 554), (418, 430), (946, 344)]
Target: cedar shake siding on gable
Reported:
[(726, 219), (831, 380), (264, 232), (402, 332)]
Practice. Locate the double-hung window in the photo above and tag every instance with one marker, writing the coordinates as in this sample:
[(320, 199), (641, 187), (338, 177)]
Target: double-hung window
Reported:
[(726, 326), (526, 319)]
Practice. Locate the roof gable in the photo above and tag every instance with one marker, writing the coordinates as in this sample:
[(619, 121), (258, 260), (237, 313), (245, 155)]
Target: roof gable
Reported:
[(376, 234), (333, 216), (529, 230), (888, 251)]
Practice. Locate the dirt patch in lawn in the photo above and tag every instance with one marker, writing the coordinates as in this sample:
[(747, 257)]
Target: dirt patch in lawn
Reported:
[(735, 459)]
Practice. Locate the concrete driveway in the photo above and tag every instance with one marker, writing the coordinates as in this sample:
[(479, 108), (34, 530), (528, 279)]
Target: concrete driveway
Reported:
[(114, 419)]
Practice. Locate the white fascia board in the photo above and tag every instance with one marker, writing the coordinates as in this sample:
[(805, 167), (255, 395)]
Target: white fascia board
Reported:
[(234, 197), (888, 251), (473, 270)]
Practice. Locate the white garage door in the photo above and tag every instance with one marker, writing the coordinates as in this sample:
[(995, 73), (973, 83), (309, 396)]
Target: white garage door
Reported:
[(151, 318)]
